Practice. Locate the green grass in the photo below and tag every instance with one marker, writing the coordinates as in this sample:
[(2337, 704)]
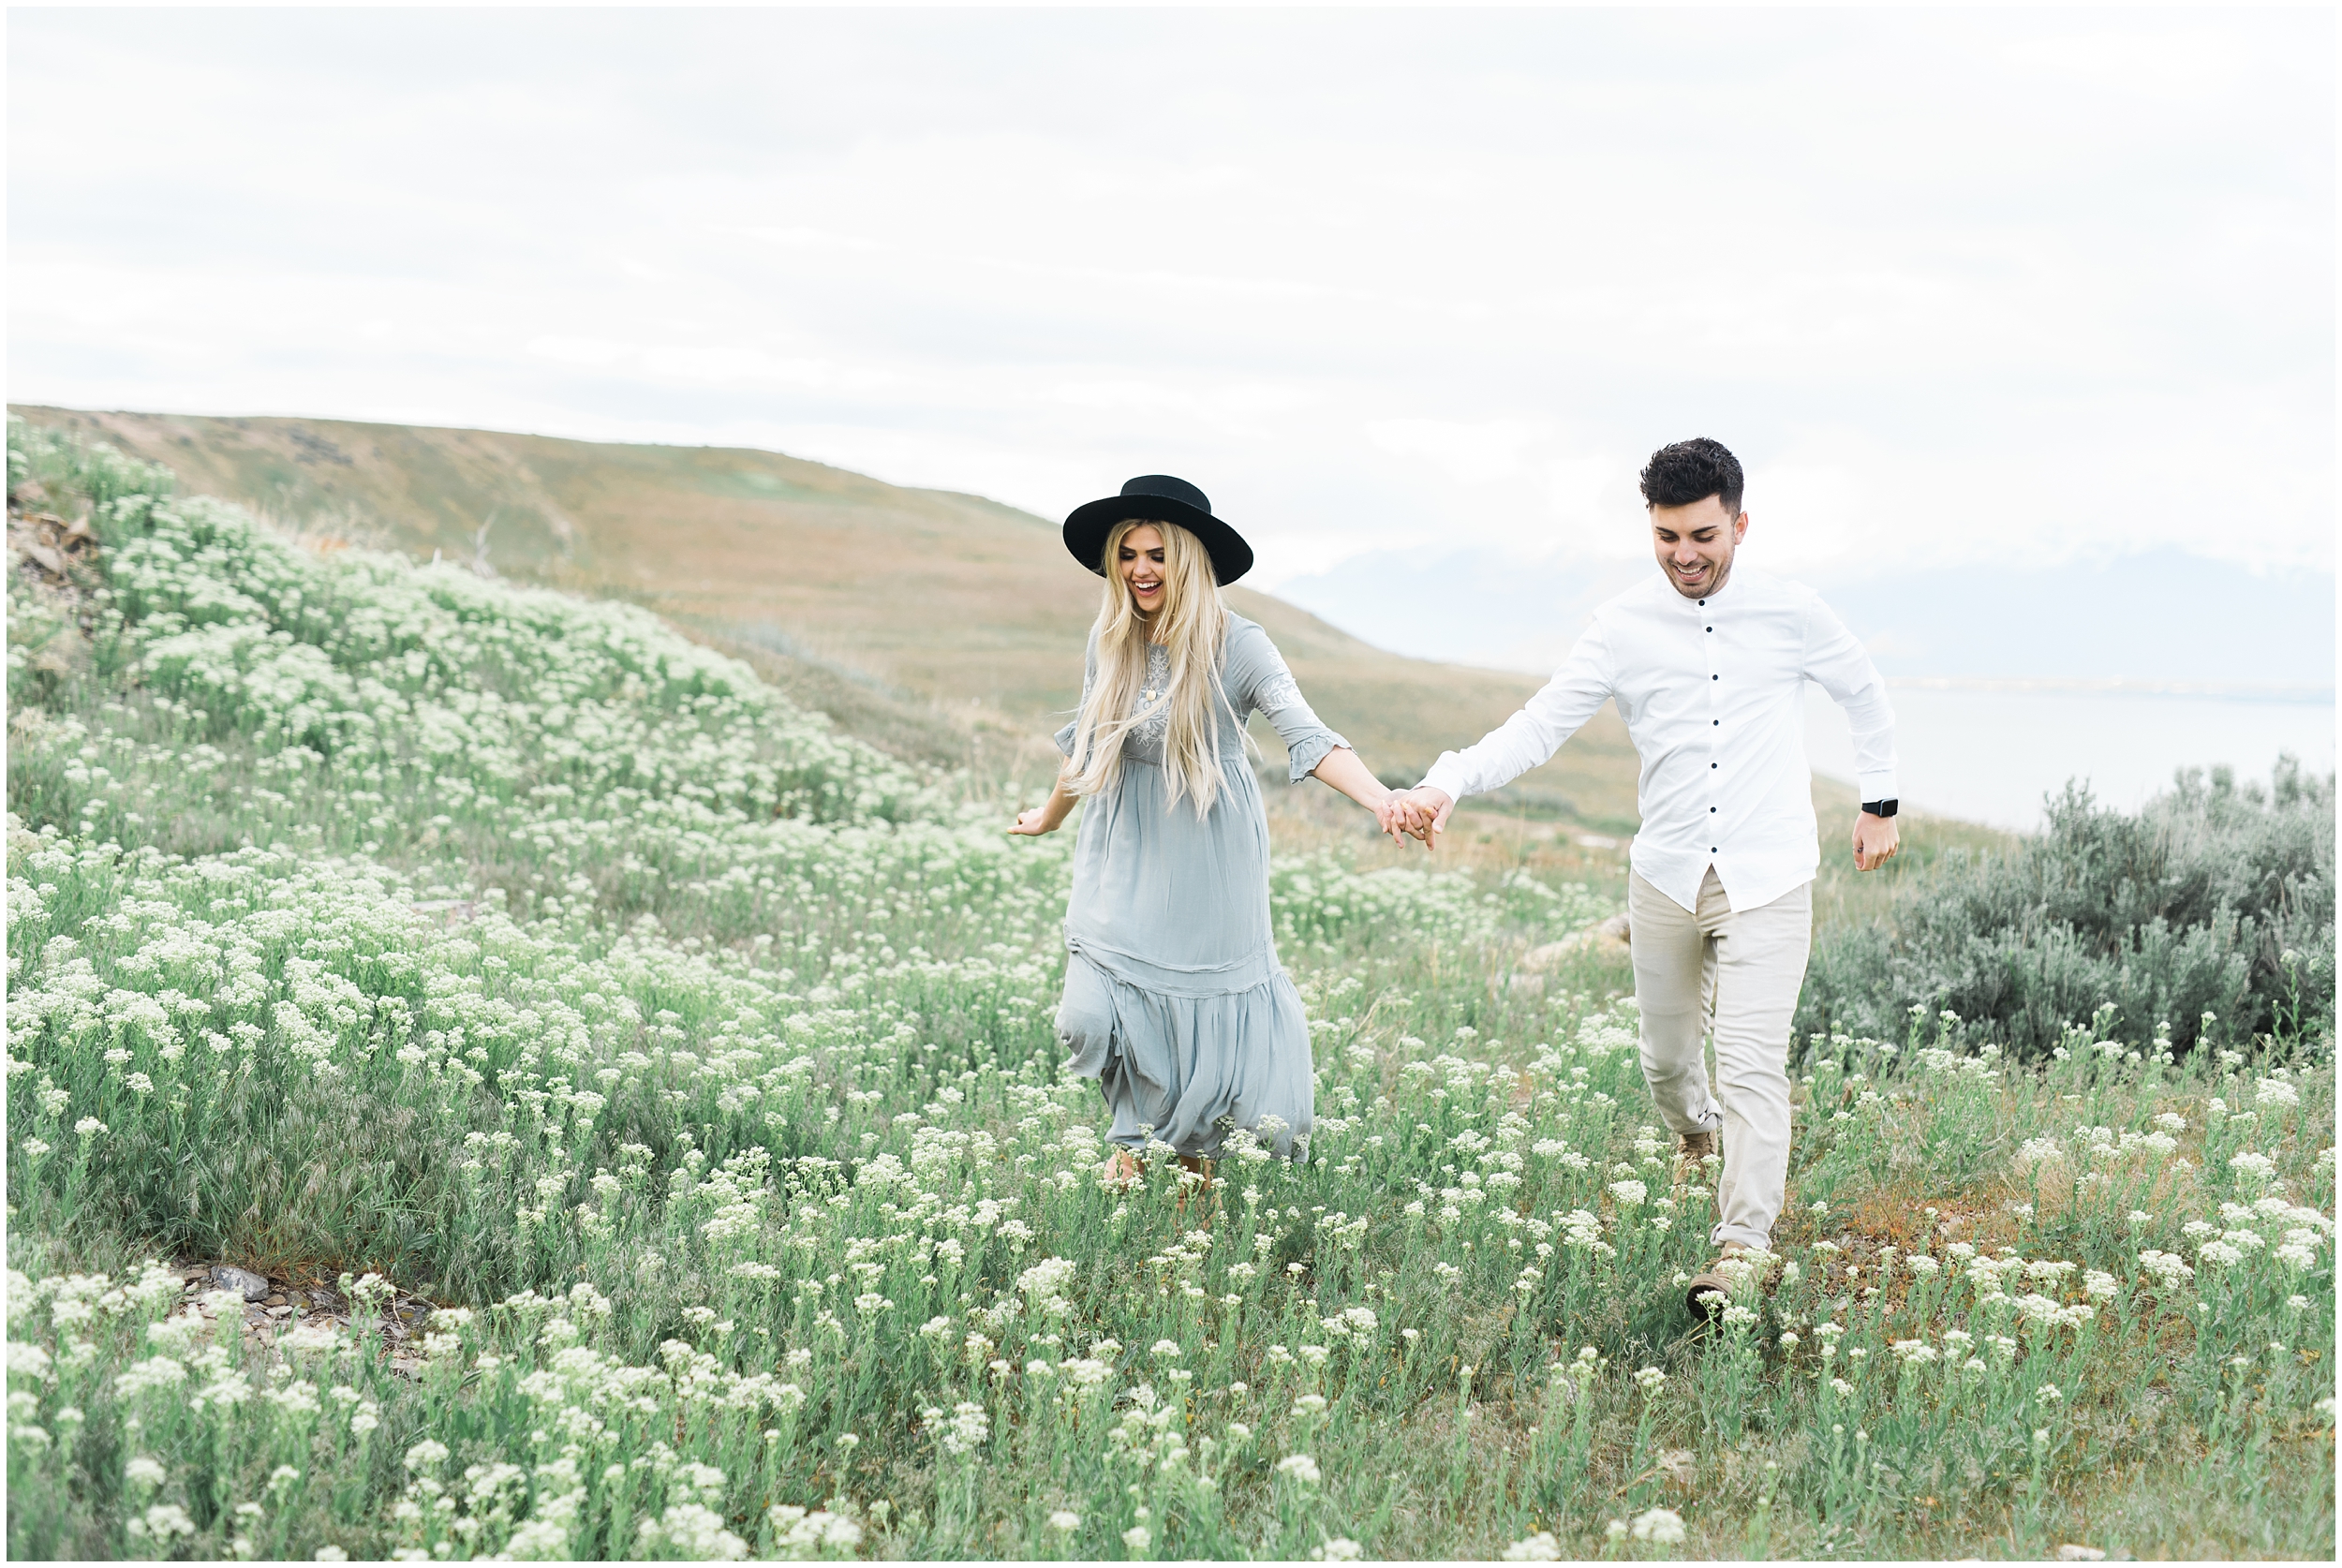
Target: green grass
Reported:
[(695, 1057)]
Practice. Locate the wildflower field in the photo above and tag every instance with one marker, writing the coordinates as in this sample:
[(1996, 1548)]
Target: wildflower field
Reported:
[(640, 1101)]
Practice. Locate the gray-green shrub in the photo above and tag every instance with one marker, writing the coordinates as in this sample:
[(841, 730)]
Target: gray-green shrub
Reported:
[(2214, 897)]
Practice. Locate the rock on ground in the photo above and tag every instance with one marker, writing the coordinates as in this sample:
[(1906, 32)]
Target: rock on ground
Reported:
[(229, 1277)]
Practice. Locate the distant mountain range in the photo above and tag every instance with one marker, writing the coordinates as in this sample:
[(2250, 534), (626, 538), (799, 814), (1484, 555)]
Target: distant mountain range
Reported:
[(2159, 617)]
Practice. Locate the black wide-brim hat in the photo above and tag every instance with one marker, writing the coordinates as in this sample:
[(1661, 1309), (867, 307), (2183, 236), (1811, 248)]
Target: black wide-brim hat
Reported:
[(1157, 498)]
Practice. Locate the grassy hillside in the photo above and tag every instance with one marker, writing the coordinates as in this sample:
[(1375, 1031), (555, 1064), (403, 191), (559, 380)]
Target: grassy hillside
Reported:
[(937, 623)]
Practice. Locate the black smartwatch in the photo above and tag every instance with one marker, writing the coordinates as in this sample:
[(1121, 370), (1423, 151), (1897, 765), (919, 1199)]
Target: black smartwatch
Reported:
[(1881, 808)]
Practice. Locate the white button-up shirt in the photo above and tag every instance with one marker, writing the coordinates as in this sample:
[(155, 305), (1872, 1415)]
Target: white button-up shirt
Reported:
[(1713, 692)]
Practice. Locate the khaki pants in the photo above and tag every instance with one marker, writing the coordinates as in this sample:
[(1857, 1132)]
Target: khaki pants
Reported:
[(1737, 973)]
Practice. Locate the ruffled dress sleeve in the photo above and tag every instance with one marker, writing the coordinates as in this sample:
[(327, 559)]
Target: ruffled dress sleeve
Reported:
[(1261, 682)]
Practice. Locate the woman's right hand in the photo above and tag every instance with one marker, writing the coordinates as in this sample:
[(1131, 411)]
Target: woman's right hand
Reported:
[(1033, 823)]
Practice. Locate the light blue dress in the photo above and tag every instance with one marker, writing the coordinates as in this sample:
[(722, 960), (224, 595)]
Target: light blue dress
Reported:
[(1175, 1000)]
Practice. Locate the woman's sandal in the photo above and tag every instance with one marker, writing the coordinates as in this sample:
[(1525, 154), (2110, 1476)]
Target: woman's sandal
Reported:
[(1122, 1171)]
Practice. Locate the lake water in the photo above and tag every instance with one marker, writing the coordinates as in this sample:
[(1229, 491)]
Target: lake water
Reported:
[(1989, 755)]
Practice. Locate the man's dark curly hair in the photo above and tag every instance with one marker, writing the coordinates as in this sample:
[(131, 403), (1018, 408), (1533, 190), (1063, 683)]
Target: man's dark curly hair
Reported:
[(1690, 471)]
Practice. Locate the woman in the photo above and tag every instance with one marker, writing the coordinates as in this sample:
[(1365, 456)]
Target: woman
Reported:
[(1174, 999)]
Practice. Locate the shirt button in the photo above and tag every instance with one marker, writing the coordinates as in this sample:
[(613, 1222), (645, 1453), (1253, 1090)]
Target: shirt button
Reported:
[(1712, 764), (1711, 628), (1712, 811), (1715, 677), (1715, 721)]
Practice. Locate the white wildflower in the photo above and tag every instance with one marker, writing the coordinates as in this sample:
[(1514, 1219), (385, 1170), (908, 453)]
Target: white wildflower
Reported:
[(1661, 1527)]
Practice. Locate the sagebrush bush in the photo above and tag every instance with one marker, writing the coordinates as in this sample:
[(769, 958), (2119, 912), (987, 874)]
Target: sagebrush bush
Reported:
[(2214, 897)]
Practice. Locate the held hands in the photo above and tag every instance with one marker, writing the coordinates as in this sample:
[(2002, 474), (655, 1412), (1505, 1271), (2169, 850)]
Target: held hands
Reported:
[(1421, 812), (1398, 812), (1875, 841)]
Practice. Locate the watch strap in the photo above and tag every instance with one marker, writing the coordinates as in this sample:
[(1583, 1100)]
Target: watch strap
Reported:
[(1881, 808)]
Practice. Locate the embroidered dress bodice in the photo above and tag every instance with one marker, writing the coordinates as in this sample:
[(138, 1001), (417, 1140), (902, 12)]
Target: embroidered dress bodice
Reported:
[(1144, 743), (1253, 680)]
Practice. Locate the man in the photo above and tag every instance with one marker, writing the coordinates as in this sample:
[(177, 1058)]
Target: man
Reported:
[(1708, 665)]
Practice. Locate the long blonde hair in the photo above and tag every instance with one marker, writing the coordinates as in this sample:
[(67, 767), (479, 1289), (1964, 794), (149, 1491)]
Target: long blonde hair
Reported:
[(1192, 626)]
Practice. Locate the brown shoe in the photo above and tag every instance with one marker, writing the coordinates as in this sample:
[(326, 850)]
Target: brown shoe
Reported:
[(1692, 1150), (1707, 1293), (1195, 1180)]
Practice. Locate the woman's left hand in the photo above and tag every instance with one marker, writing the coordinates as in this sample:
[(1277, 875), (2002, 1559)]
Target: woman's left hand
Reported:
[(1033, 823)]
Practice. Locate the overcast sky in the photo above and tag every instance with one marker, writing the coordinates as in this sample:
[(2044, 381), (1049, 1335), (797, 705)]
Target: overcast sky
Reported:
[(1960, 287)]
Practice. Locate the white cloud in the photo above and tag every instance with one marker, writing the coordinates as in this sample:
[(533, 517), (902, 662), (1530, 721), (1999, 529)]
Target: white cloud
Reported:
[(1467, 454), (722, 363), (1802, 514), (592, 351), (1375, 280), (2197, 63)]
